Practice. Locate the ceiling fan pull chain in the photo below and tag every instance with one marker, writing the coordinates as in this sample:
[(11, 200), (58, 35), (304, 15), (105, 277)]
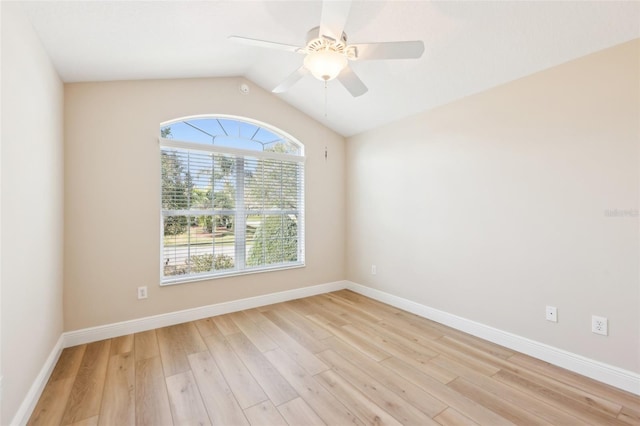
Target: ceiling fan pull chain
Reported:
[(325, 98)]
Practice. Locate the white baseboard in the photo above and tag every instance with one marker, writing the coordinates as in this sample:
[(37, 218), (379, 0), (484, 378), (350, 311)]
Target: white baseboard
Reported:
[(614, 376), (31, 399), (93, 334)]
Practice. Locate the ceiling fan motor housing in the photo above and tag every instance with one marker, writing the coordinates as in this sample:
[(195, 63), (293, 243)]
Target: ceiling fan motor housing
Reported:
[(317, 42)]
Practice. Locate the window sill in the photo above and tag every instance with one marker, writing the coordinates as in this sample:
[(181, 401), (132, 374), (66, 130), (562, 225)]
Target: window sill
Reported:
[(215, 276)]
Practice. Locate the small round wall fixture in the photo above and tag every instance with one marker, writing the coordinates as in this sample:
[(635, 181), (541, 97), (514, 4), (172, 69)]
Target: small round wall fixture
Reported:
[(244, 89)]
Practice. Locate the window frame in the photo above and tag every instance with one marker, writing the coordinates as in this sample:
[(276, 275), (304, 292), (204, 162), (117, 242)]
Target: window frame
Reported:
[(240, 214)]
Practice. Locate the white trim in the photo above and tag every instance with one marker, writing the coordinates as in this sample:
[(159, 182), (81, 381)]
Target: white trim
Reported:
[(93, 334), (609, 374), (31, 398), (233, 273)]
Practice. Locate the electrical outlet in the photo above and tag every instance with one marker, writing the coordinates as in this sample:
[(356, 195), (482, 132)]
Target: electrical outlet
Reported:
[(374, 270), (599, 325), (552, 313), (142, 292)]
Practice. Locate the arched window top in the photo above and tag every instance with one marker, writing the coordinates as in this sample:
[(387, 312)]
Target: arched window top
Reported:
[(231, 132)]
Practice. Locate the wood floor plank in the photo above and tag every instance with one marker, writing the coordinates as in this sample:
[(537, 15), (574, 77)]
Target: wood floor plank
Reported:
[(399, 325), (218, 398), (298, 412), (400, 386), (152, 401), (295, 350), (399, 328), (351, 309), (245, 387), (581, 411), (122, 344), (368, 303), (393, 345), (255, 314), (307, 326), (250, 329), (225, 324), (490, 348), (354, 339), (577, 394), (91, 421), (422, 363), (265, 414), (186, 403), (327, 406), (478, 354), (291, 324), (86, 393), (274, 385), (459, 369), (206, 327), (508, 394), (433, 325), (331, 310), (363, 407), (52, 403), (451, 417), (399, 408), (624, 398), (464, 405), (176, 343), (416, 324), (118, 400), (496, 404), (395, 316), (68, 363), (308, 309), (464, 357), (145, 345), (629, 416)]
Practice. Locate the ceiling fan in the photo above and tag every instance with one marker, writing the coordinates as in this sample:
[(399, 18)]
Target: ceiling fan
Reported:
[(328, 54)]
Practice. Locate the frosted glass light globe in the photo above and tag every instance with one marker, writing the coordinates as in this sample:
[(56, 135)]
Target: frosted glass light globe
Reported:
[(325, 65)]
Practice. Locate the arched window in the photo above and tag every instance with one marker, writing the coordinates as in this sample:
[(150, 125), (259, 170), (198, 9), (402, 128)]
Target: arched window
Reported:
[(232, 198)]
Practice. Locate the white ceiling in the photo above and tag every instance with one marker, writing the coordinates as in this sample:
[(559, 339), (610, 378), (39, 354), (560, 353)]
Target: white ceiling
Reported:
[(469, 46)]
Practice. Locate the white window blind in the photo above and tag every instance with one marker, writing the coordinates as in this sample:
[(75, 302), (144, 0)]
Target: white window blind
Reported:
[(227, 211)]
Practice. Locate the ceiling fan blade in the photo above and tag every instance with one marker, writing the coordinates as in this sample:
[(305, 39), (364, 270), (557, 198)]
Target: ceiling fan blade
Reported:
[(334, 17), (264, 43), (291, 80), (352, 82), (390, 50)]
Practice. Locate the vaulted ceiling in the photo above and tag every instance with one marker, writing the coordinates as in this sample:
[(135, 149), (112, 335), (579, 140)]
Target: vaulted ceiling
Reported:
[(469, 46)]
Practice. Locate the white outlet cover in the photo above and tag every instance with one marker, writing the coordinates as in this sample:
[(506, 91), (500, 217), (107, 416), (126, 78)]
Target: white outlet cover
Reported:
[(552, 314), (599, 325), (142, 293)]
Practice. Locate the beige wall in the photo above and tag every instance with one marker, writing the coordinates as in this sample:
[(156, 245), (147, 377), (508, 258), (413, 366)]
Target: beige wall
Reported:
[(32, 208), (112, 188), (494, 206)]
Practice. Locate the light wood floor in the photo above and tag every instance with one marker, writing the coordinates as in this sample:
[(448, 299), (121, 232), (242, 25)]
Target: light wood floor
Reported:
[(333, 359)]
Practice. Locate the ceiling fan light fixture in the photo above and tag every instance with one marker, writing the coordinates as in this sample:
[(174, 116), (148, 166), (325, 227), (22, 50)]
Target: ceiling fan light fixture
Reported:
[(325, 64)]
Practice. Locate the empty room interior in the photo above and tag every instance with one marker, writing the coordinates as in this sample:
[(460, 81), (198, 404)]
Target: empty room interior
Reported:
[(320, 212)]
